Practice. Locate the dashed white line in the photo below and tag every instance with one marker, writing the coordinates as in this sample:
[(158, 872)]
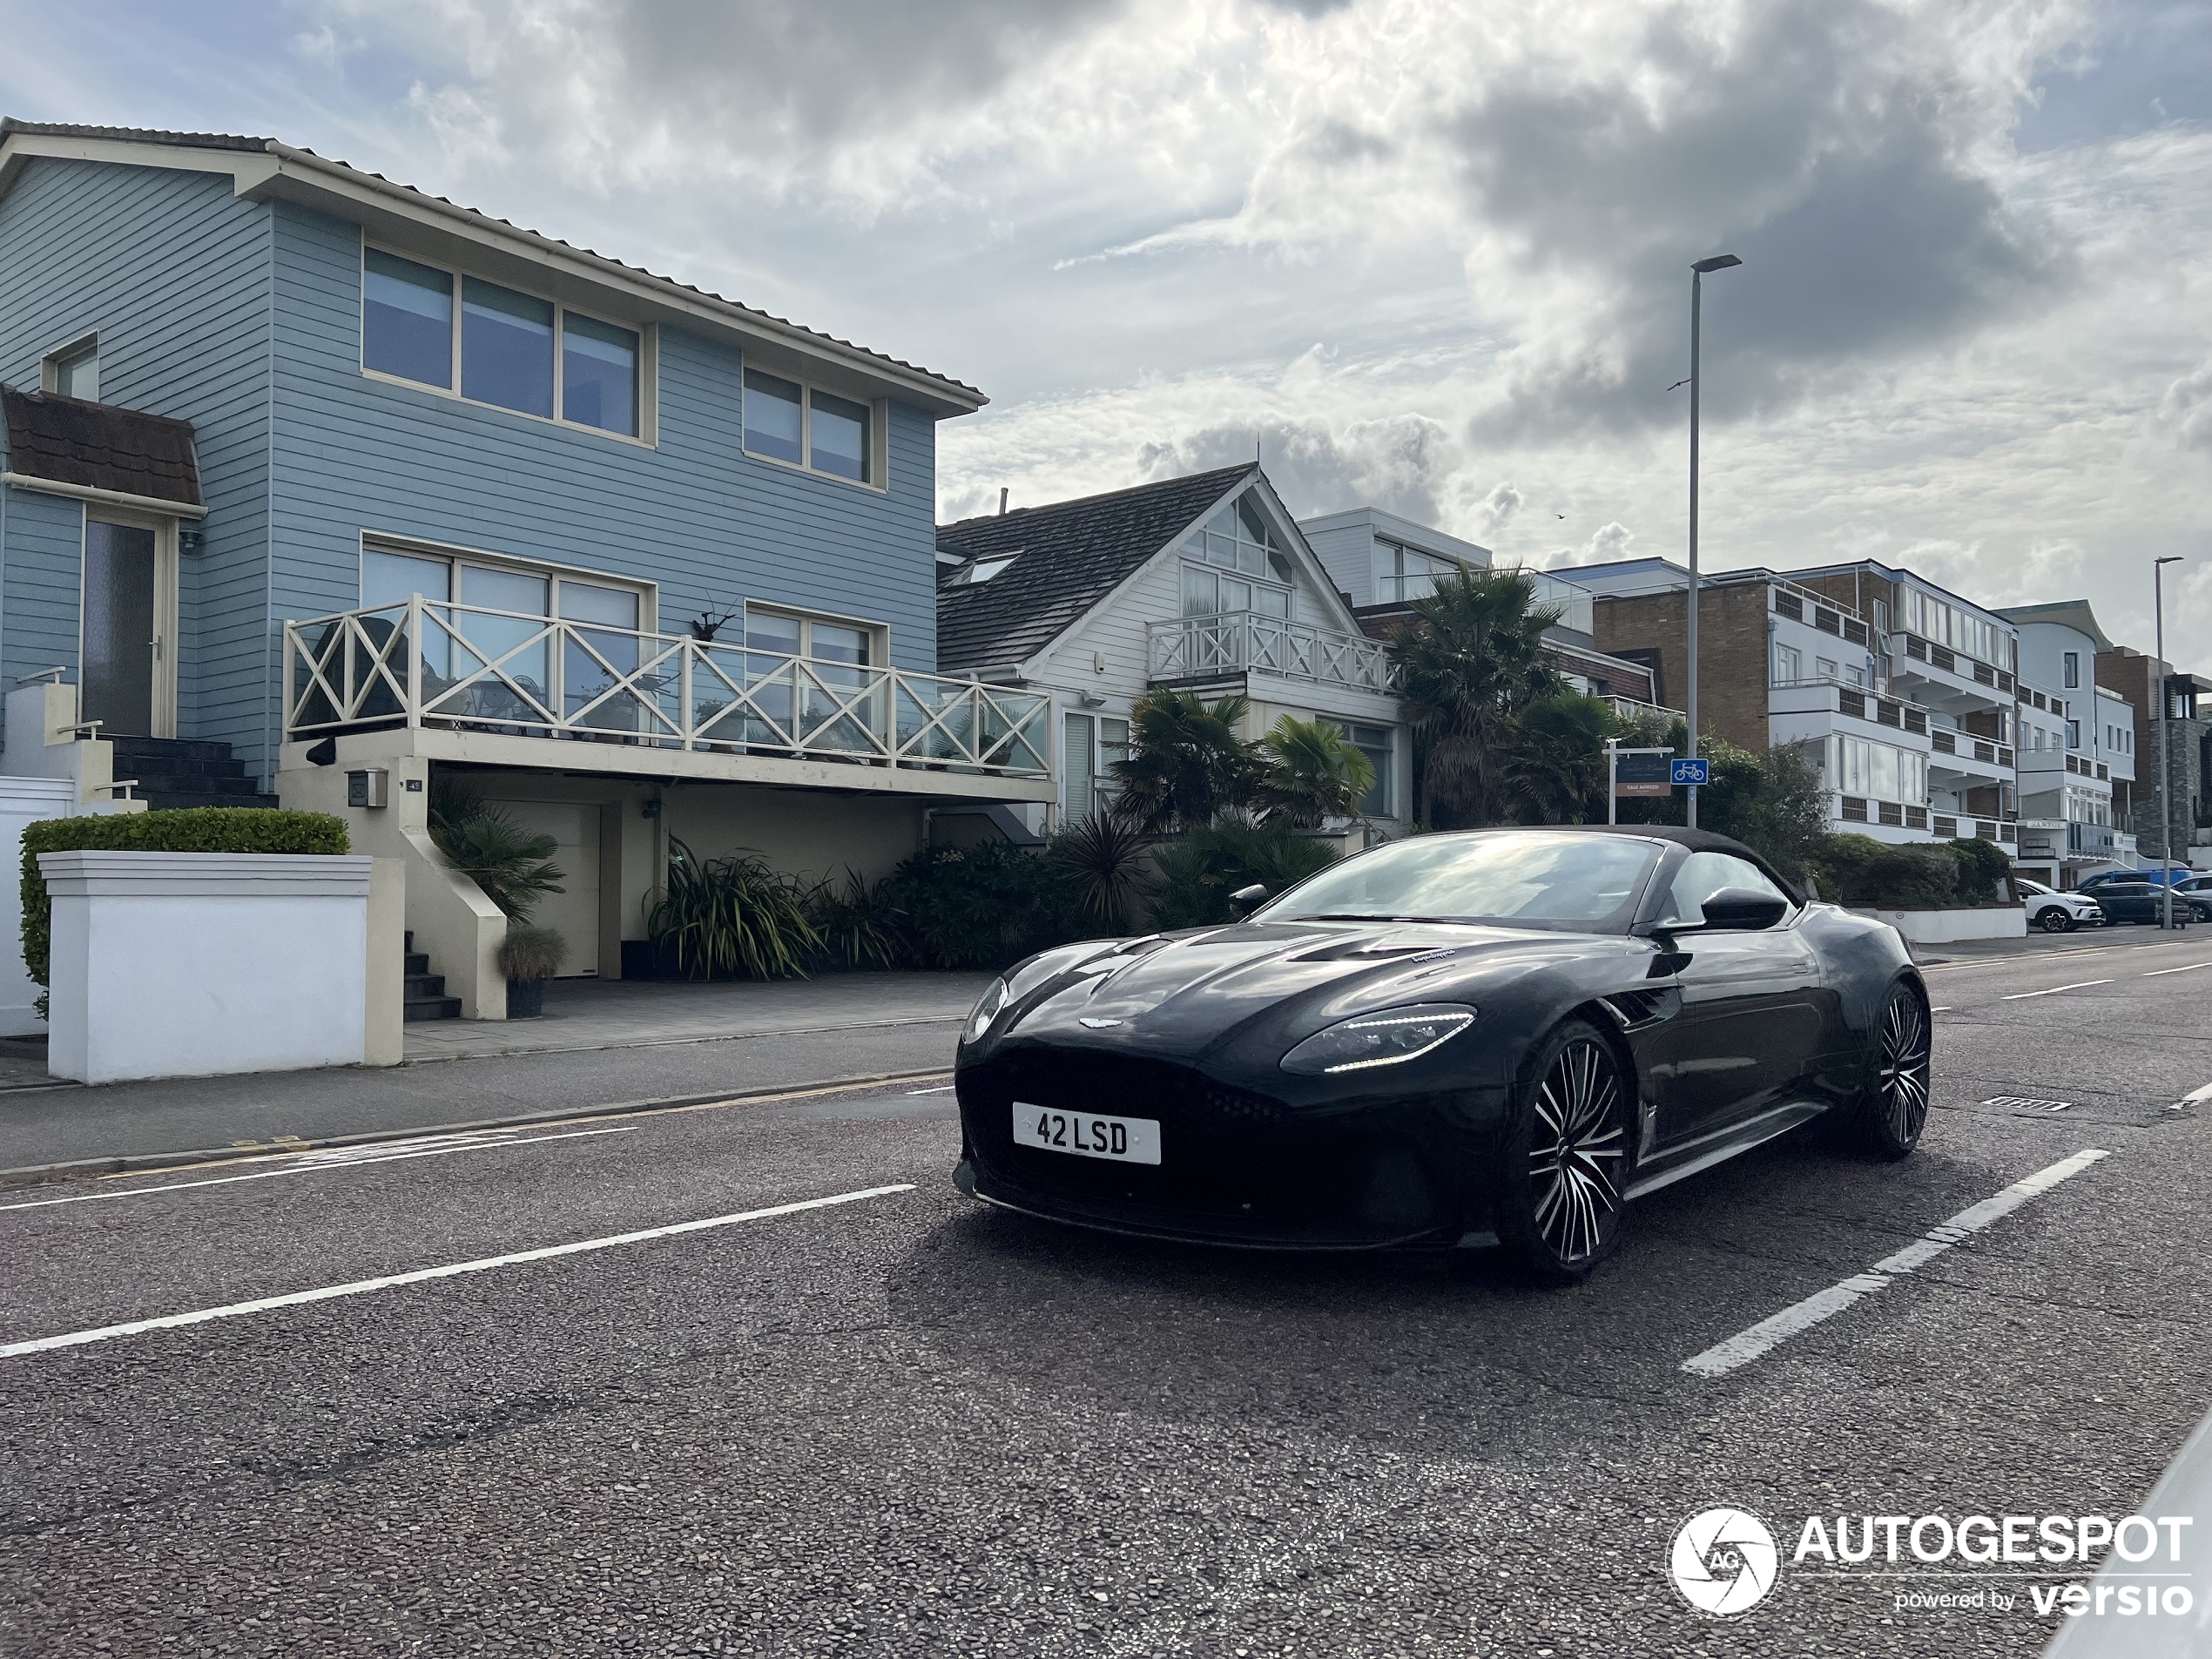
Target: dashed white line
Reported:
[(2078, 985), (358, 1287), (1747, 1346), (944, 1090), (2157, 973), (339, 1157)]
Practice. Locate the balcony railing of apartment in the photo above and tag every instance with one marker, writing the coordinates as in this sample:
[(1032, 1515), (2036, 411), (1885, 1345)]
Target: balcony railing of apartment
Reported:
[(1829, 616), (428, 663), (1627, 708), (1968, 746), (1865, 706), (1951, 662), (1858, 809), (1242, 641), (1946, 827), (2093, 840), (2082, 768)]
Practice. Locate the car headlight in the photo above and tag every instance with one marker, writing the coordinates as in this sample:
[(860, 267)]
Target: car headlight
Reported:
[(986, 1010), (1388, 1038)]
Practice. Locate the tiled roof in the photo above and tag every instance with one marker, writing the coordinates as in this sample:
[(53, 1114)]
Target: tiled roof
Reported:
[(1072, 554), (273, 146), (100, 447)]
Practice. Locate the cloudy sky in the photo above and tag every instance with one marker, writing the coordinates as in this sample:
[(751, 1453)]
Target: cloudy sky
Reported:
[(1428, 255)]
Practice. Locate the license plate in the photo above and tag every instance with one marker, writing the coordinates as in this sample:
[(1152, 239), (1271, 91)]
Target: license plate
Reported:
[(1125, 1140)]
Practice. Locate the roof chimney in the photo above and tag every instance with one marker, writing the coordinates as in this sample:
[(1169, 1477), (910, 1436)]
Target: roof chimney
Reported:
[(1001, 501)]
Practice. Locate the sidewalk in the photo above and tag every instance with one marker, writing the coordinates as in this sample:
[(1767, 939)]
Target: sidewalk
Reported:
[(617, 1045)]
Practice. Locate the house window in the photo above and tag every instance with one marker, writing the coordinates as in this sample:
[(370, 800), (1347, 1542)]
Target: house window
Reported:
[(1403, 574), (806, 426), (2074, 734), (1216, 593), (1854, 673), (1827, 668), (1788, 664), (1089, 745), (1375, 743), (2073, 661), (1859, 766), (500, 345), (74, 371)]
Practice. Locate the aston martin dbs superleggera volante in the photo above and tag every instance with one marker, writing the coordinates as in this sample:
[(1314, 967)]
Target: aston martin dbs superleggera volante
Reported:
[(1499, 1037)]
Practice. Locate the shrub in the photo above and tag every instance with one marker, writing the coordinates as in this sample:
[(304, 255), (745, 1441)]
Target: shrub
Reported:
[(986, 906), (1984, 871), (532, 953), (857, 927), (197, 829), (731, 917), (1199, 873), (1863, 871)]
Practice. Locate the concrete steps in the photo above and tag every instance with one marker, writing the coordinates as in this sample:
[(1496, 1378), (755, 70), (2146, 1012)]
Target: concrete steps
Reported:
[(425, 997)]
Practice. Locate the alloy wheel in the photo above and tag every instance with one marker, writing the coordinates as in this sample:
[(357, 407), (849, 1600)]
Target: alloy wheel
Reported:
[(1903, 1077), (1576, 1150)]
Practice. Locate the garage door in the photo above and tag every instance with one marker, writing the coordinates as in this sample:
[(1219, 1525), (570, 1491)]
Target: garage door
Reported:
[(575, 912)]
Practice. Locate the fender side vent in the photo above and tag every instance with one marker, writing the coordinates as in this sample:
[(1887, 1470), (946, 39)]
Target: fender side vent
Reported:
[(1634, 1008)]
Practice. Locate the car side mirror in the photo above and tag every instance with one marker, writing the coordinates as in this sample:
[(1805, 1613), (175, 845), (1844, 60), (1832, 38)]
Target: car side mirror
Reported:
[(1742, 910), (1245, 900)]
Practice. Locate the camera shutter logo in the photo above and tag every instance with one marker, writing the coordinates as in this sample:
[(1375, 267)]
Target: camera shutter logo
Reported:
[(1724, 1561)]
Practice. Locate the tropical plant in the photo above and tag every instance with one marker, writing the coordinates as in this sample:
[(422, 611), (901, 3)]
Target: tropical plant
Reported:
[(512, 866), (1186, 764), (530, 952), (1557, 766), (1199, 871), (1310, 774), (856, 925), (1107, 867), (1471, 660), (729, 917)]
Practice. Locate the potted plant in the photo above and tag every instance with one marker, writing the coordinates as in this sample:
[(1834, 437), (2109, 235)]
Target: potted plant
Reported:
[(529, 956)]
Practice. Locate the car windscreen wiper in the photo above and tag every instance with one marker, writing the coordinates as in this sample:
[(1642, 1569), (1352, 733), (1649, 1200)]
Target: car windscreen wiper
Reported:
[(1358, 915)]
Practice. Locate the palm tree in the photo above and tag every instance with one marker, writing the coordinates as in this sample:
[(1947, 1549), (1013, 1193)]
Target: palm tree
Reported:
[(1312, 773), (1186, 764), (1471, 660), (1558, 763)]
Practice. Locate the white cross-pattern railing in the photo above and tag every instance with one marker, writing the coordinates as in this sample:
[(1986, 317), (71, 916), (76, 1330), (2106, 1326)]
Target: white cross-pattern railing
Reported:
[(1238, 641), (428, 662)]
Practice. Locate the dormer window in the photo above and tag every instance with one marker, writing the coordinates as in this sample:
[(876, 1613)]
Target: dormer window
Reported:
[(74, 371), (978, 571)]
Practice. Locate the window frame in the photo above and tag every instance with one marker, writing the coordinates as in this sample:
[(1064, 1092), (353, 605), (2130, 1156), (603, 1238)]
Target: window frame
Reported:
[(647, 390), (555, 573), (877, 459), (49, 365), (879, 633)]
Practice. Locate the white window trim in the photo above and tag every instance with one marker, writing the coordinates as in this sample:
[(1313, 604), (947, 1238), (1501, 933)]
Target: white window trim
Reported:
[(648, 433), (413, 547), (49, 365), (879, 632), (878, 482)]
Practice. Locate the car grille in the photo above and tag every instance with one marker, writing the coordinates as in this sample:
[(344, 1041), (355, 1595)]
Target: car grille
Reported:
[(1231, 1158)]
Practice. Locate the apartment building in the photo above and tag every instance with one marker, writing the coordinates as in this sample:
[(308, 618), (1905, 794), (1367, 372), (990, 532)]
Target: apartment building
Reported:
[(1906, 692), (2077, 747)]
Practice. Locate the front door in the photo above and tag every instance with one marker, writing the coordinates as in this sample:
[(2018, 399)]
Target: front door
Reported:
[(127, 669)]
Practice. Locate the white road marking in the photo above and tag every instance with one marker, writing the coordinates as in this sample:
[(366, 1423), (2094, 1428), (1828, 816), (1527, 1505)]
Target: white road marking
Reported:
[(2078, 985), (946, 1090), (2192, 968), (236, 1310), (1946, 1009), (2194, 1098), (337, 1157), (1747, 1346)]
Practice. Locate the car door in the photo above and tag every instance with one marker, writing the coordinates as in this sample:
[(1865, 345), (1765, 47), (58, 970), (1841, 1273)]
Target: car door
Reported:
[(2126, 900), (1754, 1008)]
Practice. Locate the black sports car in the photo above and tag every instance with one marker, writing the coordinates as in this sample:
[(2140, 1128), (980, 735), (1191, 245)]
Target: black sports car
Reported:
[(1496, 1037)]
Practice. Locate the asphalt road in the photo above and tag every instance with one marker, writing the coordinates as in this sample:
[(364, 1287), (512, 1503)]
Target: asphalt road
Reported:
[(902, 1424)]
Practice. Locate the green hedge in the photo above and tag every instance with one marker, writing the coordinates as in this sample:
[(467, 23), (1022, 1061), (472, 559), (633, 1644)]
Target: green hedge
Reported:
[(1940, 875), (197, 829)]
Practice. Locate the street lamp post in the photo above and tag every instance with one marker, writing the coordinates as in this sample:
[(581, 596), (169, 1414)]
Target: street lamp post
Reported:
[(2165, 792), (1697, 270)]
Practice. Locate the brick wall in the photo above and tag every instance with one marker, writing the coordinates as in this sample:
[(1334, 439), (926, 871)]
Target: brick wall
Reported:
[(1732, 652)]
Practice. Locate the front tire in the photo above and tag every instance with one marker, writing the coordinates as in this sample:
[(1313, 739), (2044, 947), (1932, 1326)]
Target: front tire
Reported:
[(1893, 1109), (1564, 1175), (2055, 921)]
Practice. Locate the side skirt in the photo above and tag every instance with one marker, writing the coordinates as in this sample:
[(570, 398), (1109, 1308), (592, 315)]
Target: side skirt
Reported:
[(1727, 1144)]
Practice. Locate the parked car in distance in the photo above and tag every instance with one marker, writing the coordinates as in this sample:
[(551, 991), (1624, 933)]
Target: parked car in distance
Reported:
[(2055, 912), (2156, 878), (2145, 902)]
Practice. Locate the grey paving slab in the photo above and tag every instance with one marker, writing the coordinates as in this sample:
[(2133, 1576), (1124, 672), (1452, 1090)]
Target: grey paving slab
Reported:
[(610, 1014)]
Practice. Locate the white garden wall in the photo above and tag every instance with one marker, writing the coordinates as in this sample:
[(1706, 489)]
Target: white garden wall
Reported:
[(198, 964), (23, 800), (1946, 926)]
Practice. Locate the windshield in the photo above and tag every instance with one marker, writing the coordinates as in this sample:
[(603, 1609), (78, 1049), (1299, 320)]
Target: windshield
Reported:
[(1529, 877), (2032, 886)]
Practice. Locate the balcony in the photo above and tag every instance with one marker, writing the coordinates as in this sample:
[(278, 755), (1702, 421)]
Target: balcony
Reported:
[(1966, 746), (1204, 647), (1627, 708), (1952, 676), (429, 665)]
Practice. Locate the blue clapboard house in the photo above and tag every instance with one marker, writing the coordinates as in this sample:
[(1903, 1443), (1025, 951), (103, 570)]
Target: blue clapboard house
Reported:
[(323, 491)]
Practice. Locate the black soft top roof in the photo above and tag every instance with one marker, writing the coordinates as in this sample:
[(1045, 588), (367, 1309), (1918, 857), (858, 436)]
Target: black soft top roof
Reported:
[(1696, 840)]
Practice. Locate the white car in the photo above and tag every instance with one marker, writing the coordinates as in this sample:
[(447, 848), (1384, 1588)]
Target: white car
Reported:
[(2058, 913)]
